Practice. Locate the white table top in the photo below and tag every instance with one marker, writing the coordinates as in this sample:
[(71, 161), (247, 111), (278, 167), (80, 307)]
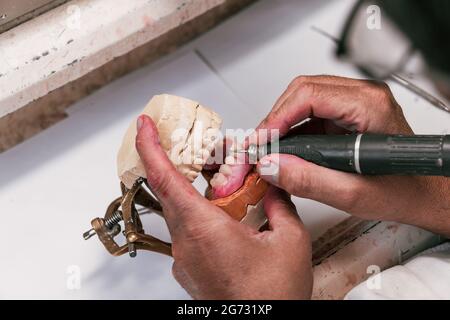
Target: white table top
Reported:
[(52, 185)]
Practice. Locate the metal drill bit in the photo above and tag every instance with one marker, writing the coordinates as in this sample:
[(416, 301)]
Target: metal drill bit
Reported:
[(254, 153)]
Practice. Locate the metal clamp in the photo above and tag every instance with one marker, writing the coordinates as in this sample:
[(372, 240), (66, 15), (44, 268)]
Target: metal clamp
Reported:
[(108, 228)]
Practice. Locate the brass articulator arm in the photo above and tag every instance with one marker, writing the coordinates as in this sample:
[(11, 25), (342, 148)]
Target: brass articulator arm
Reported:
[(244, 205), (108, 228)]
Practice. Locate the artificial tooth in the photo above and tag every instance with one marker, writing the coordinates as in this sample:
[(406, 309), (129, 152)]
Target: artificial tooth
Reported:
[(230, 160), (225, 169), (218, 179)]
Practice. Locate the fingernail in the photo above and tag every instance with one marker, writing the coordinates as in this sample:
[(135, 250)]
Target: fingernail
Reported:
[(269, 170), (139, 123), (265, 161), (251, 139)]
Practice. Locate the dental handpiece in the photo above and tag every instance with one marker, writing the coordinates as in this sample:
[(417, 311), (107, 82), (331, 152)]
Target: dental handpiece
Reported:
[(367, 154)]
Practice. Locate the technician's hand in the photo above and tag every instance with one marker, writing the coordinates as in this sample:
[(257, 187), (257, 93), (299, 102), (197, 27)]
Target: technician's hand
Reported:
[(339, 105), (215, 256)]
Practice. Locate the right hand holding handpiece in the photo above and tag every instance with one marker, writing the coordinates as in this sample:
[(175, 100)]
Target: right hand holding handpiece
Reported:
[(215, 256), (337, 106)]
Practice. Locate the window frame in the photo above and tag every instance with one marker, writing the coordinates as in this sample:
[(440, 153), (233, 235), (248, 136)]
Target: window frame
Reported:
[(13, 12)]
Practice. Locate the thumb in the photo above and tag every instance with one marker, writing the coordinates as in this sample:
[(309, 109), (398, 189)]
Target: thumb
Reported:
[(280, 210), (172, 189), (184, 208), (308, 180)]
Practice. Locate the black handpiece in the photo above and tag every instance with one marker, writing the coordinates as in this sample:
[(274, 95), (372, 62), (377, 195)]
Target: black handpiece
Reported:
[(367, 153)]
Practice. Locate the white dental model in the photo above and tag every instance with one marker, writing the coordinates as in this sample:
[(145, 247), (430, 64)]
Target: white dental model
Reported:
[(188, 133)]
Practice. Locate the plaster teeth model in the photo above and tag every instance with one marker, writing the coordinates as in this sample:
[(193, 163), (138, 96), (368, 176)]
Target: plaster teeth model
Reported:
[(188, 133)]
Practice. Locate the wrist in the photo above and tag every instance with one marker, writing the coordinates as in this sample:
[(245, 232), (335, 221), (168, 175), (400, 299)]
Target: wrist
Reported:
[(433, 211)]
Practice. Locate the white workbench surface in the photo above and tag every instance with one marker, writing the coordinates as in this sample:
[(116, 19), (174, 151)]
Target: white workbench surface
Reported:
[(52, 185)]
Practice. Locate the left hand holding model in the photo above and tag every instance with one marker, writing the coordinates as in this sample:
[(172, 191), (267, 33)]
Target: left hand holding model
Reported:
[(216, 257)]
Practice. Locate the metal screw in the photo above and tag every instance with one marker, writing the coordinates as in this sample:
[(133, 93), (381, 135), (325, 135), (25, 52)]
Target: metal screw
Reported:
[(132, 249), (110, 223), (89, 234), (114, 219)]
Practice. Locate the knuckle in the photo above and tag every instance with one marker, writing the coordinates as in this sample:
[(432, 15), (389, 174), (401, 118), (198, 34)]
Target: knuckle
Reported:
[(286, 184), (305, 86), (278, 116), (308, 88), (390, 115), (271, 117), (159, 182), (299, 183), (381, 92), (384, 87), (350, 196), (298, 81), (385, 95), (140, 142), (266, 121)]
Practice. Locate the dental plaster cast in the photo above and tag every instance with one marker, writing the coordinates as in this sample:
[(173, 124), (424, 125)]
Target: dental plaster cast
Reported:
[(188, 133)]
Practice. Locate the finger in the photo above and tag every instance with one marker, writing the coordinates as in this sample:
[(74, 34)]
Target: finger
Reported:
[(317, 126), (337, 103), (335, 80), (289, 90), (256, 137), (280, 210), (355, 105), (181, 201), (307, 180), (319, 79), (161, 173)]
